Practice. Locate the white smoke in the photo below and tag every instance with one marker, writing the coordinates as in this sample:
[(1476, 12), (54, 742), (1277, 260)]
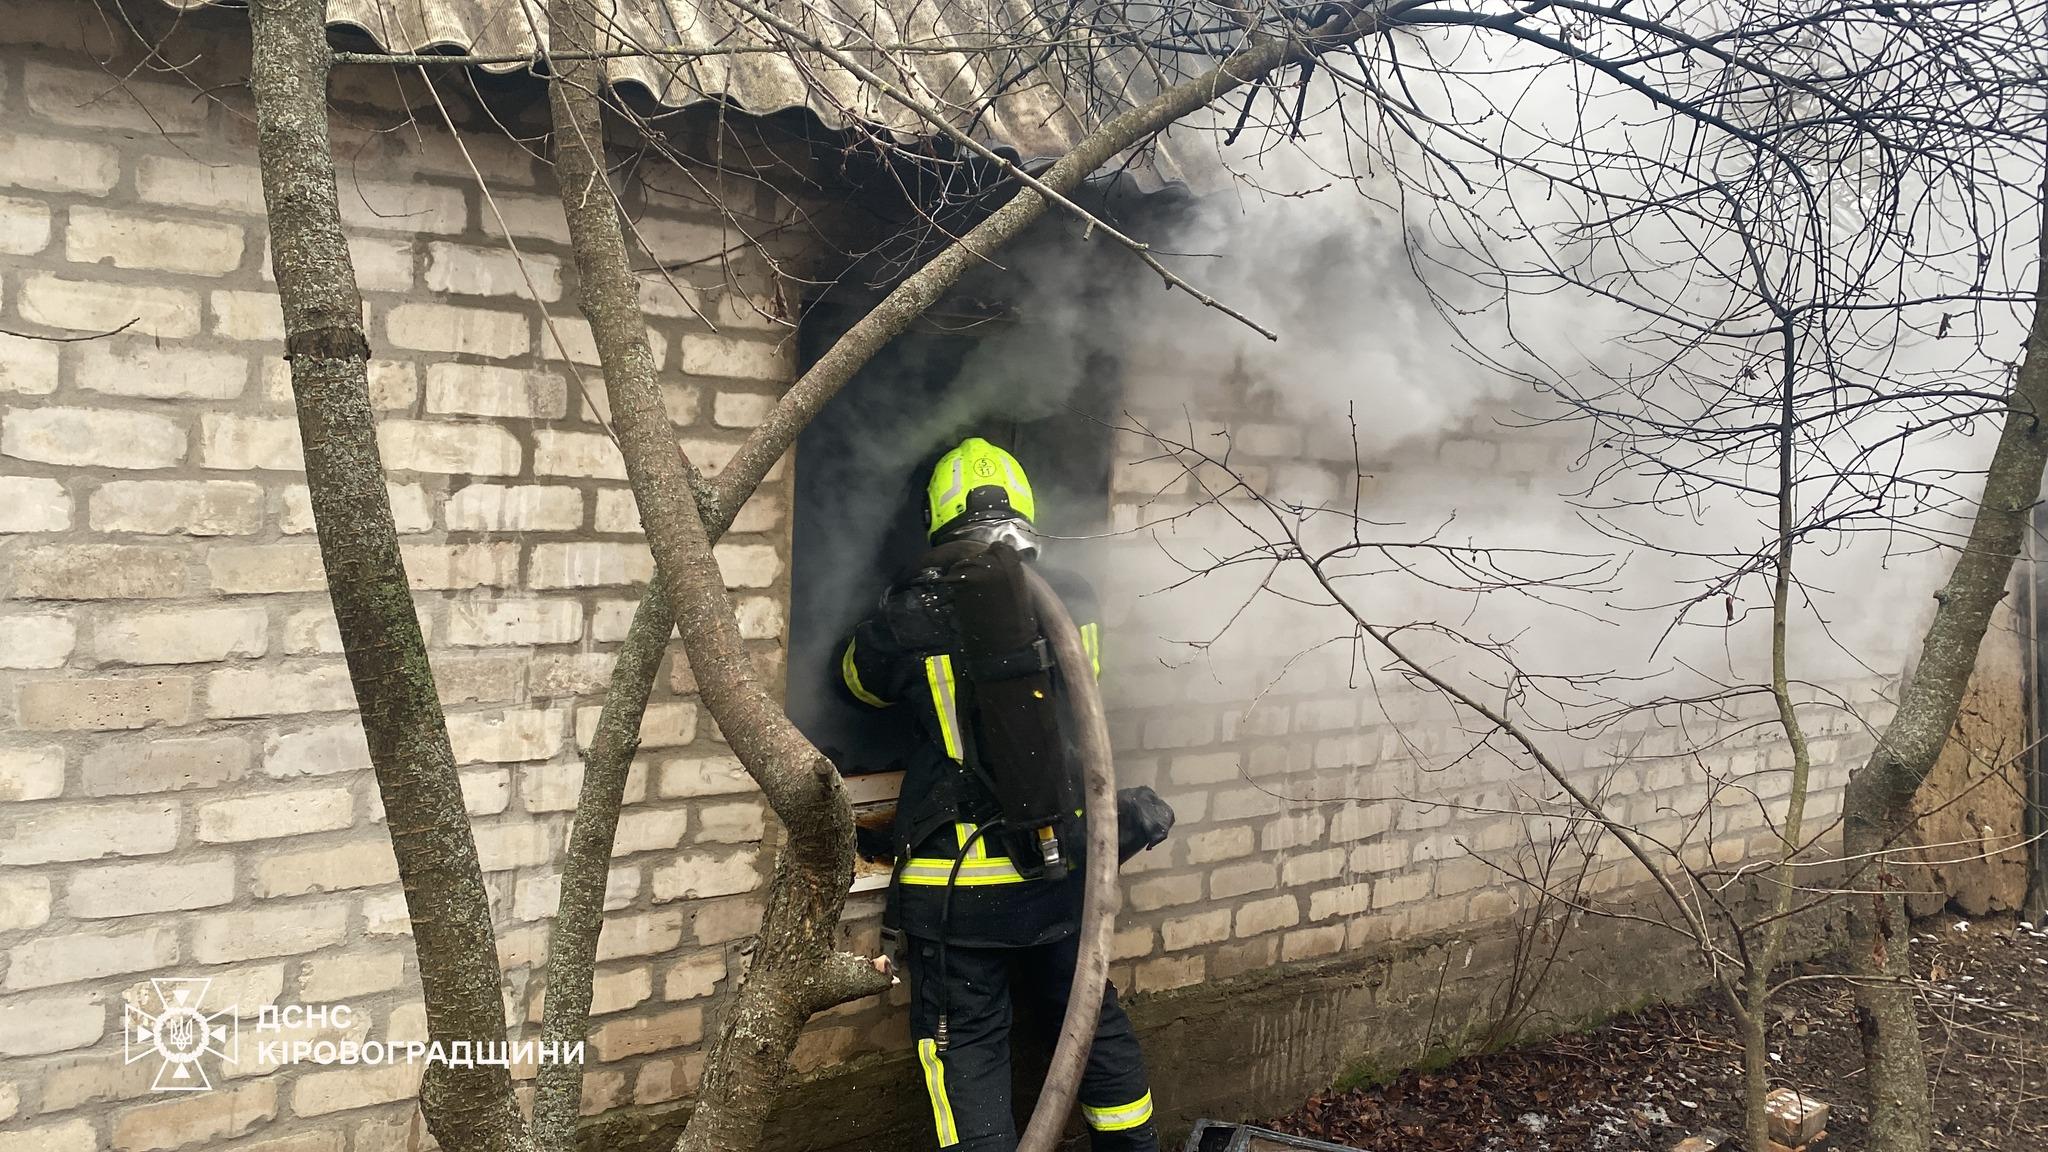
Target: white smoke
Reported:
[(1387, 350)]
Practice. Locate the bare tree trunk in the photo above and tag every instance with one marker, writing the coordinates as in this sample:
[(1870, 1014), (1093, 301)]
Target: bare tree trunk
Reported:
[(466, 1108), (2035, 763), (586, 868), (1763, 959), (1877, 809), (1756, 1064), (795, 969)]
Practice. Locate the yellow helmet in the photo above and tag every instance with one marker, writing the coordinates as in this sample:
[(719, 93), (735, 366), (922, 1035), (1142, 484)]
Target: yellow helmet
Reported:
[(975, 483)]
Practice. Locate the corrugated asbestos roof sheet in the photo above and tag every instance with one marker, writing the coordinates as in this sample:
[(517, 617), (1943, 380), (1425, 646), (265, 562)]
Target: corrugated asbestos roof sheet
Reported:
[(1067, 84)]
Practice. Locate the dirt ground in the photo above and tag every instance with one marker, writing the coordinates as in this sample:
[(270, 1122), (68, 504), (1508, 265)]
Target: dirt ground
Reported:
[(1647, 1080)]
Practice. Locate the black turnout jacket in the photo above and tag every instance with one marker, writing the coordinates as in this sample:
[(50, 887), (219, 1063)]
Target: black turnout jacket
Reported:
[(954, 879)]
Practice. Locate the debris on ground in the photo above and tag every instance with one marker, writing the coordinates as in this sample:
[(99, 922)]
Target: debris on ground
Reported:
[(1210, 1136), (1672, 1074), (1797, 1120)]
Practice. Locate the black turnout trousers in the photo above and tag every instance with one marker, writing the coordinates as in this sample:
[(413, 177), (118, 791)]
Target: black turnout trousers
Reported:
[(969, 1081)]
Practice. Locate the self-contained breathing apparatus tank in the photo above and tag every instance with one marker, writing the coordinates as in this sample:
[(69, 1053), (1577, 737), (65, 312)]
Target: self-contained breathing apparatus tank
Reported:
[(1009, 708)]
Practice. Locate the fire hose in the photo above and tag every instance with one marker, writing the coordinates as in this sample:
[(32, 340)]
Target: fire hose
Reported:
[(1099, 894)]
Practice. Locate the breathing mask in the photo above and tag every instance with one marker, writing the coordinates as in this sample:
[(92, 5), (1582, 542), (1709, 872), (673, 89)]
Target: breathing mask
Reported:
[(1013, 533)]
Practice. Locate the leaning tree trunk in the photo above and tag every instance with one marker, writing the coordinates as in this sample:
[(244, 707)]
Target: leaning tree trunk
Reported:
[(795, 969), (1877, 810), (586, 870), (467, 1109)]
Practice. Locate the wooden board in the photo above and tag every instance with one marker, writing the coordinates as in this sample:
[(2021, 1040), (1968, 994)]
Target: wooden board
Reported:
[(874, 806)]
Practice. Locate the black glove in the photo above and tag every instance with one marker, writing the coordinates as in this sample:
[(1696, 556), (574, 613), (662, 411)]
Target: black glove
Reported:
[(873, 843), (1142, 821)]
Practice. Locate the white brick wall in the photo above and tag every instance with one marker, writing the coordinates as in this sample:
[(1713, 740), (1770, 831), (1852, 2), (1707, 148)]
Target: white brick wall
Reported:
[(184, 787), (27, 366)]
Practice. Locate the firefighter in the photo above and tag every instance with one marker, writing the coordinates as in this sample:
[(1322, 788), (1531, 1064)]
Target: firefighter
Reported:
[(985, 914)]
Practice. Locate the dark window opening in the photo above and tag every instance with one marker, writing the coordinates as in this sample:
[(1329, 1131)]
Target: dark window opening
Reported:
[(861, 468)]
